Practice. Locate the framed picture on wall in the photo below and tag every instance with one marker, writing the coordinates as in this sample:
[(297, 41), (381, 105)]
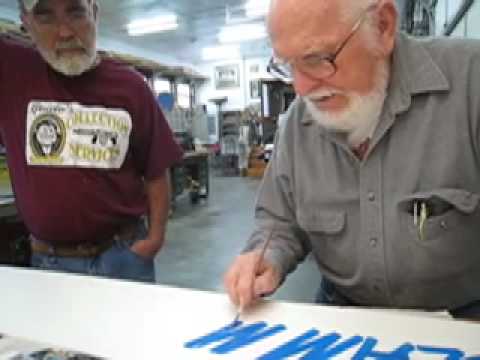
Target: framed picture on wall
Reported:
[(227, 76), (254, 89)]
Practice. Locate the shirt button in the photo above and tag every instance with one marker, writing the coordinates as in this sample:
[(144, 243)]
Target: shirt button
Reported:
[(371, 196), (373, 242)]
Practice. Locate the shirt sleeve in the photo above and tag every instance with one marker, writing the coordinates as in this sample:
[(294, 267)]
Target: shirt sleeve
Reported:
[(10, 53), (275, 214), (155, 148)]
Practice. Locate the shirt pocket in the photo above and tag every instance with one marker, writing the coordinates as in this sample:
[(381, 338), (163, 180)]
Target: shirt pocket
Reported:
[(321, 222), (451, 213), (331, 246)]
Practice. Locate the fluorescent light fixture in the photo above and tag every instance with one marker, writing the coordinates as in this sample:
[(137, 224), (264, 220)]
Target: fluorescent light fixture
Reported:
[(257, 8), (221, 52), (244, 32), (152, 25)]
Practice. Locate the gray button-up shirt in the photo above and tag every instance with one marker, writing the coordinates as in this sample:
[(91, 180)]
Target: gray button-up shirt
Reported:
[(358, 217)]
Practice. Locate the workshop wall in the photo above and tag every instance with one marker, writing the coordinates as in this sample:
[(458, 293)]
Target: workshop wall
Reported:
[(239, 90), (241, 93)]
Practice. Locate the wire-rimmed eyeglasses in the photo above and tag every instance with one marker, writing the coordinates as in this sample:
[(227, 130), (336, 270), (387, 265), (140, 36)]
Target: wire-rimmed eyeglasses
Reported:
[(316, 64)]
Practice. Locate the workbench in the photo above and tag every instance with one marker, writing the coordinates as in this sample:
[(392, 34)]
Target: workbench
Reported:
[(192, 175), (123, 320)]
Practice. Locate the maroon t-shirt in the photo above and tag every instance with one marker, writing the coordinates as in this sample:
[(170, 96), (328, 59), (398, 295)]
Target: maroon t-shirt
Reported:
[(79, 148)]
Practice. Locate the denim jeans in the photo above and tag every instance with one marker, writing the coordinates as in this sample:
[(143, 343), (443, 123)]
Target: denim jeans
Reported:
[(328, 295), (117, 262)]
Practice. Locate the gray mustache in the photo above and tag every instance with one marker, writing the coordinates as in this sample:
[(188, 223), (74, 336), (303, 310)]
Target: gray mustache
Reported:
[(74, 44)]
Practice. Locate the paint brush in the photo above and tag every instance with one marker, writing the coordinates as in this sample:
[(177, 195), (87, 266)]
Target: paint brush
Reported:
[(237, 317), (256, 270)]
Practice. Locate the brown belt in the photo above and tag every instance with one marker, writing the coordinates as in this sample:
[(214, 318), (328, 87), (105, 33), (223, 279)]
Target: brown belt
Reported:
[(83, 249), (80, 250)]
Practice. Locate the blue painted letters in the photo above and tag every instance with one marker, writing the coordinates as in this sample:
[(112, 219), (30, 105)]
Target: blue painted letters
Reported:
[(234, 336), (324, 347), (312, 345)]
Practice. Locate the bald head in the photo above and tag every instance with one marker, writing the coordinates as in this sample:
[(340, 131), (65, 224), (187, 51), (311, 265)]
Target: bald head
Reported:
[(286, 14), (298, 20), (338, 53), (348, 8), (339, 45)]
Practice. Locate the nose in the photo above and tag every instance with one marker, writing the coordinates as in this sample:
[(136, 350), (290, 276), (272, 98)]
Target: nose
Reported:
[(65, 31), (304, 84)]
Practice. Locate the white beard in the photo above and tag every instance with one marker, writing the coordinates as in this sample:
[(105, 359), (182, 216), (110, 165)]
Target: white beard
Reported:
[(361, 117), (72, 65)]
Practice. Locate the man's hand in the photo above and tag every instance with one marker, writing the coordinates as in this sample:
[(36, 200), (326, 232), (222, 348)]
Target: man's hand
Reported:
[(244, 286), (158, 194), (146, 248)]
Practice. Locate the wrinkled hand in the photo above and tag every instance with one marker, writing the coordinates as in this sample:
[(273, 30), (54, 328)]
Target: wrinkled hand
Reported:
[(244, 286), (146, 248)]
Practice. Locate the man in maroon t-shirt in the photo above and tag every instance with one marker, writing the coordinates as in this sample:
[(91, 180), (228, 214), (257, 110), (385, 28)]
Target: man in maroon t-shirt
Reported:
[(87, 146)]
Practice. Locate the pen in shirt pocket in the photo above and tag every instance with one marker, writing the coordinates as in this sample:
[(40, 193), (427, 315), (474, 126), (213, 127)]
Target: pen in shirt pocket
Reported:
[(420, 216)]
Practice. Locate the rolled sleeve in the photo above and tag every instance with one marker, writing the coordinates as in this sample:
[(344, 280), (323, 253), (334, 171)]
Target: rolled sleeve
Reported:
[(275, 214)]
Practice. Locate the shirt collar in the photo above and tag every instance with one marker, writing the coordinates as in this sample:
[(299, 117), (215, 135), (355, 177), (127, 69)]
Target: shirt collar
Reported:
[(414, 71)]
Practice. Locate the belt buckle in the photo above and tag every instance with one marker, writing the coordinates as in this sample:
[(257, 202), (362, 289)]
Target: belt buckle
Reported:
[(87, 251), (51, 250)]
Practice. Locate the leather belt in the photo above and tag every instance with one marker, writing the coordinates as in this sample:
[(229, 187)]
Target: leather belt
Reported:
[(126, 233), (80, 250)]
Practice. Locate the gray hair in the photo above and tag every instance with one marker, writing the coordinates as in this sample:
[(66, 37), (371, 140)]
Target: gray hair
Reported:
[(352, 9)]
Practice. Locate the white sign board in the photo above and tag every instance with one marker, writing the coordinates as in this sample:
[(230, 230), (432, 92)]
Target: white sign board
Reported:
[(126, 321)]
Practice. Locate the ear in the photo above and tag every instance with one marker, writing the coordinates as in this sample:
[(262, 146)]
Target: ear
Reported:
[(387, 26)]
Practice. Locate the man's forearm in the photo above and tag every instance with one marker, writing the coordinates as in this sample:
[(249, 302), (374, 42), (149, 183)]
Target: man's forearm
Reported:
[(158, 193)]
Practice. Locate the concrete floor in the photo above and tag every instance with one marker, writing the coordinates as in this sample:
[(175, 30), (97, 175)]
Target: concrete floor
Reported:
[(203, 239)]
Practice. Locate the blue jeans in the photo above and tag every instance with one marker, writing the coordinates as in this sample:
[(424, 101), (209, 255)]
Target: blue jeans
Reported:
[(328, 295), (117, 262)]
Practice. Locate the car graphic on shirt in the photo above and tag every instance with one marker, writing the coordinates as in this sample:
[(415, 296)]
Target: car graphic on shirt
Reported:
[(98, 136)]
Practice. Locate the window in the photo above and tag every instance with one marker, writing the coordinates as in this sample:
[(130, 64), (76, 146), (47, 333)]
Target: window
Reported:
[(183, 95), (452, 8), (447, 10), (440, 17), (459, 30), (473, 21), (161, 86)]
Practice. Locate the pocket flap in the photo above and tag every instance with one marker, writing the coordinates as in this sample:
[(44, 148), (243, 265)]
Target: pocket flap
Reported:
[(462, 200), (327, 222)]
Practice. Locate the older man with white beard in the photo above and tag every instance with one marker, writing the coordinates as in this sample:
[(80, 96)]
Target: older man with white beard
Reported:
[(88, 148), (376, 169)]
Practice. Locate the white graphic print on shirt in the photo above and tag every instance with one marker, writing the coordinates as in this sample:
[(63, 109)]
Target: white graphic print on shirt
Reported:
[(73, 135)]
